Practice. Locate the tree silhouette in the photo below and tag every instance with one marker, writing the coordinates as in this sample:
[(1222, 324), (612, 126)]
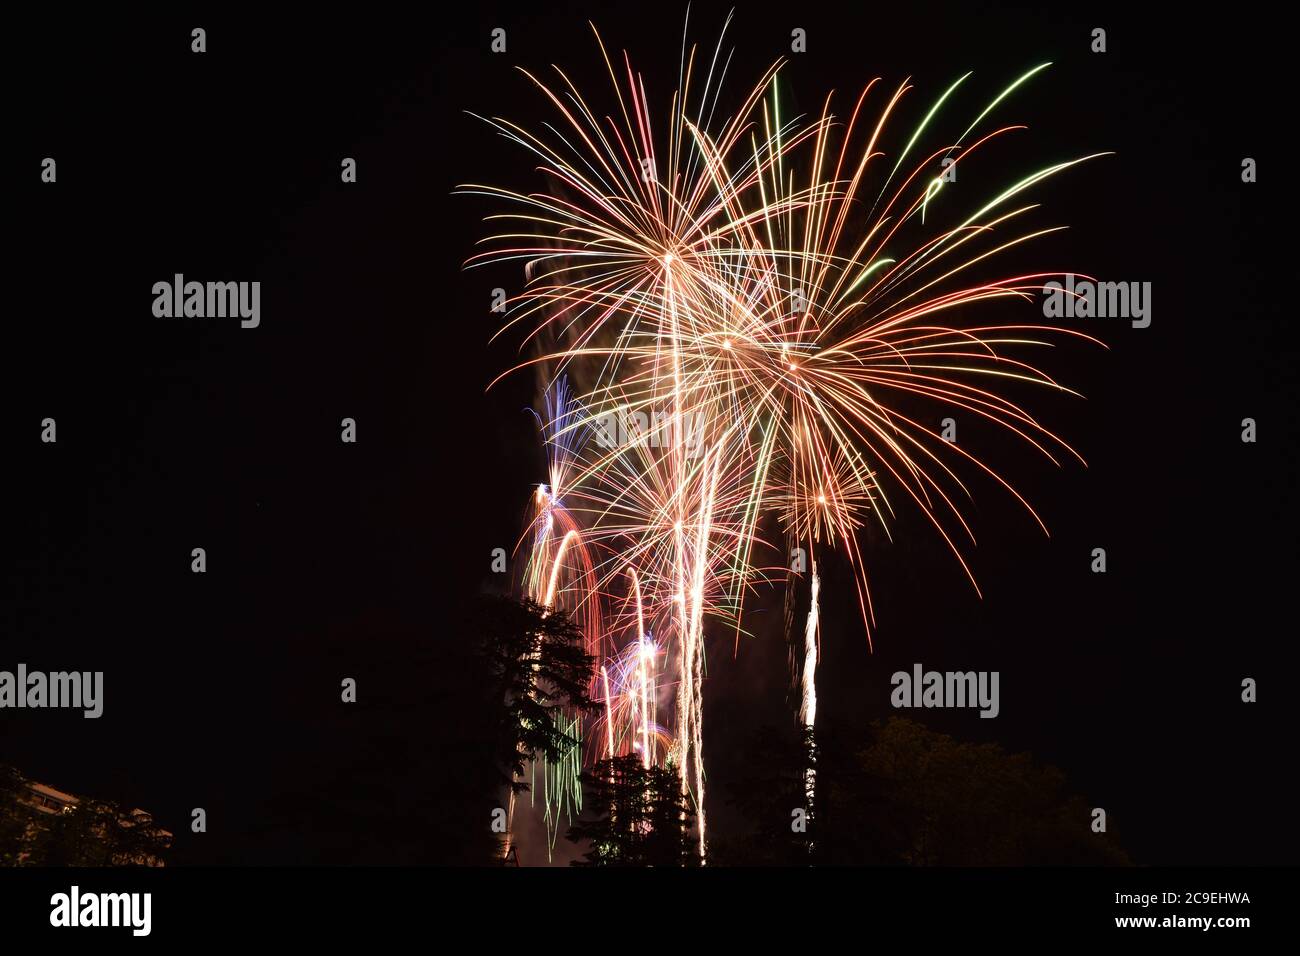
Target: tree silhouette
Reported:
[(962, 804), (88, 833), (640, 816), (535, 670), (772, 795), (14, 817), (903, 794)]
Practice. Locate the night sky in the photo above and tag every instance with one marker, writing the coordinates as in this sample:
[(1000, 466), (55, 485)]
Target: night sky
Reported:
[(328, 560)]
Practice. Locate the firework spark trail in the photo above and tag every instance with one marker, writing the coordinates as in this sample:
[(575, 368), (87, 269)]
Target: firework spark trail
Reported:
[(609, 712), (733, 281), (645, 658), (808, 705)]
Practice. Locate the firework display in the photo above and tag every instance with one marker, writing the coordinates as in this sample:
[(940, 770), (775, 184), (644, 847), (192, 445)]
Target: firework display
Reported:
[(596, 452), (750, 325)]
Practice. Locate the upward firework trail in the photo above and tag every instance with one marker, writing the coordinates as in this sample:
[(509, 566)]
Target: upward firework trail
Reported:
[(765, 314)]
